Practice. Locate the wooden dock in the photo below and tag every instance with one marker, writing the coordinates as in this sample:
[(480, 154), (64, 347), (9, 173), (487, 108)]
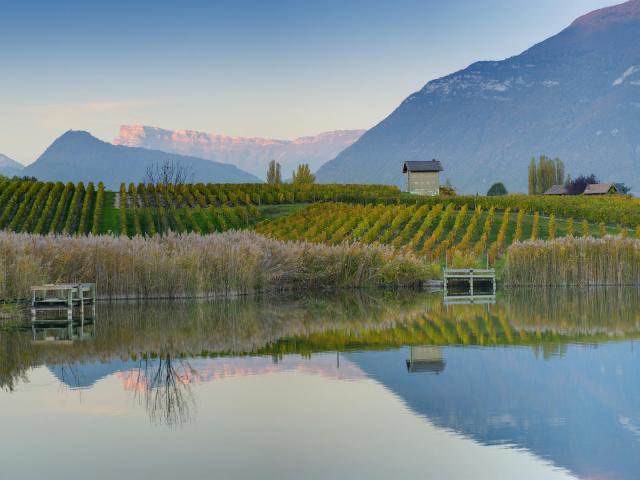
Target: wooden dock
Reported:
[(62, 297), (469, 299), (469, 277), (62, 332)]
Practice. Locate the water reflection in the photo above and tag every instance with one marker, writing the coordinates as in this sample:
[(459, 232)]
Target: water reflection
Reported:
[(554, 376), (165, 384)]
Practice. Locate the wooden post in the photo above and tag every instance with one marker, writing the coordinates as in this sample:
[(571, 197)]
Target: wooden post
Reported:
[(81, 295), (70, 329), (446, 282), (70, 305)]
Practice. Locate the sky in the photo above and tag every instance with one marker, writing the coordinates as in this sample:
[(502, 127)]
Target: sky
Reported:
[(279, 68)]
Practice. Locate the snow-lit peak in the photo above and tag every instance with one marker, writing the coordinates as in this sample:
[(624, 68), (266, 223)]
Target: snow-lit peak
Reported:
[(608, 16), (249, 153)]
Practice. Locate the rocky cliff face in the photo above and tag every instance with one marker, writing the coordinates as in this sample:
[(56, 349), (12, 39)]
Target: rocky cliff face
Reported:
[(575, 95), (250, 154)]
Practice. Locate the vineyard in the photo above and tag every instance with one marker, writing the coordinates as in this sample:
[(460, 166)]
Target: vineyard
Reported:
[(429, 230), (42, 208), (610, 209), (463, 228)]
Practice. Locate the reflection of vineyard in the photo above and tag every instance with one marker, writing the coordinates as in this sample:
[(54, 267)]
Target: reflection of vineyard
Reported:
[(543, 319)]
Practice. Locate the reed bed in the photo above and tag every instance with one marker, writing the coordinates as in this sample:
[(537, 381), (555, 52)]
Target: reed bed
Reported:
[(192, 265), (585, 261)]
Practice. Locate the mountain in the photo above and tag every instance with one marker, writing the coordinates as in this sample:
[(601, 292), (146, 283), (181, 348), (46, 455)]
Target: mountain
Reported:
[(9, 167), (77, 156), (576, 95), (250, 154)]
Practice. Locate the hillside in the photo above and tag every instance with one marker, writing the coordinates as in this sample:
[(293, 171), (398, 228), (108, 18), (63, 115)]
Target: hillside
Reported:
[(250, 154), (9, 167), (78, 156), (575, 95)]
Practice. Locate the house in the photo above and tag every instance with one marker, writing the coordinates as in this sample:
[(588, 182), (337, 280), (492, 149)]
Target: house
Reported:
[(423, 177), (425, 359), (600, 189), (557, 190), (591, 189)]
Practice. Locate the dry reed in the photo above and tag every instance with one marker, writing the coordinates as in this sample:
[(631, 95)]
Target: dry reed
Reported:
[(574, 261), (191, 265)]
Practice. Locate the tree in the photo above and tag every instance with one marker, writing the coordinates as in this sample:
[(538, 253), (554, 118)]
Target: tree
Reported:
[(274, 177), (169, 172), (447, 190), (577, 185), (303, 174), (533, 179), (559, 167), (497, 189), (545, 174), (622, 188)]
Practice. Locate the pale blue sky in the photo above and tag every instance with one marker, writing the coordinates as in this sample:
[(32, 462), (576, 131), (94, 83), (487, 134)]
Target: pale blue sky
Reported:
[(242, 67)]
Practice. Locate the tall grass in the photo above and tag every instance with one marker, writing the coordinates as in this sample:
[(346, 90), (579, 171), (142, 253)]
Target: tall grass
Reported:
[(191, 265), (574, 261)]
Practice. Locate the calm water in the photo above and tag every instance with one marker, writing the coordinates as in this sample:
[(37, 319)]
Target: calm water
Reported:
[(540, 385)]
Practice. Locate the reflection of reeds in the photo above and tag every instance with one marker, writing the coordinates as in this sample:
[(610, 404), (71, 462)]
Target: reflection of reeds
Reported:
[(192, 265), (15, 359), (611, 311), (545, 319), (574, 261)]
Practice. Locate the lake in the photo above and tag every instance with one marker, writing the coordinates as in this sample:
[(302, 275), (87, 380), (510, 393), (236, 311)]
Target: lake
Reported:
[(368, 385)]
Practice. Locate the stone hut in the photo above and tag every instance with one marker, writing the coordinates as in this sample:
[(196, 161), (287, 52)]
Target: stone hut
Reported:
[(423, 177)]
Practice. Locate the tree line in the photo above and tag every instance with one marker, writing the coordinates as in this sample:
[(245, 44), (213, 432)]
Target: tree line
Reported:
[(544, 174), (302, 175)]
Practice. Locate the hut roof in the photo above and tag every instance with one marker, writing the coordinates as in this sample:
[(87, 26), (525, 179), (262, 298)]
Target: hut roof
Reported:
[(414, 366), (422, 166), (600, 189), (557, 190)]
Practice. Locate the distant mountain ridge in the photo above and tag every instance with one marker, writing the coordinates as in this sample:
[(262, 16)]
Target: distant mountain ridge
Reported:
[(78, 156), (575, 95), (9, 167), (251, 154)]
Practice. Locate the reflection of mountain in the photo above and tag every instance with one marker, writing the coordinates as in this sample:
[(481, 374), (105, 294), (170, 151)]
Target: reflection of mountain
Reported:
[(559, 408), (581, 411), (84, 375)]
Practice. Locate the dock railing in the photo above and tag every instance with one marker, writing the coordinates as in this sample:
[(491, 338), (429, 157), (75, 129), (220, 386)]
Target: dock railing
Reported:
[(470, 275), (65, 296)]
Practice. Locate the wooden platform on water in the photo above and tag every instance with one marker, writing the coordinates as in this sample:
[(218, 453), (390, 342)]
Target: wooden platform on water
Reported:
[(62, 296), (470, 277)]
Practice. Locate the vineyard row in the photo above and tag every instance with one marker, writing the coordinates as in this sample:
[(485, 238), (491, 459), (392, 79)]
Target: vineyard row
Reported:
[(430, 230)]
